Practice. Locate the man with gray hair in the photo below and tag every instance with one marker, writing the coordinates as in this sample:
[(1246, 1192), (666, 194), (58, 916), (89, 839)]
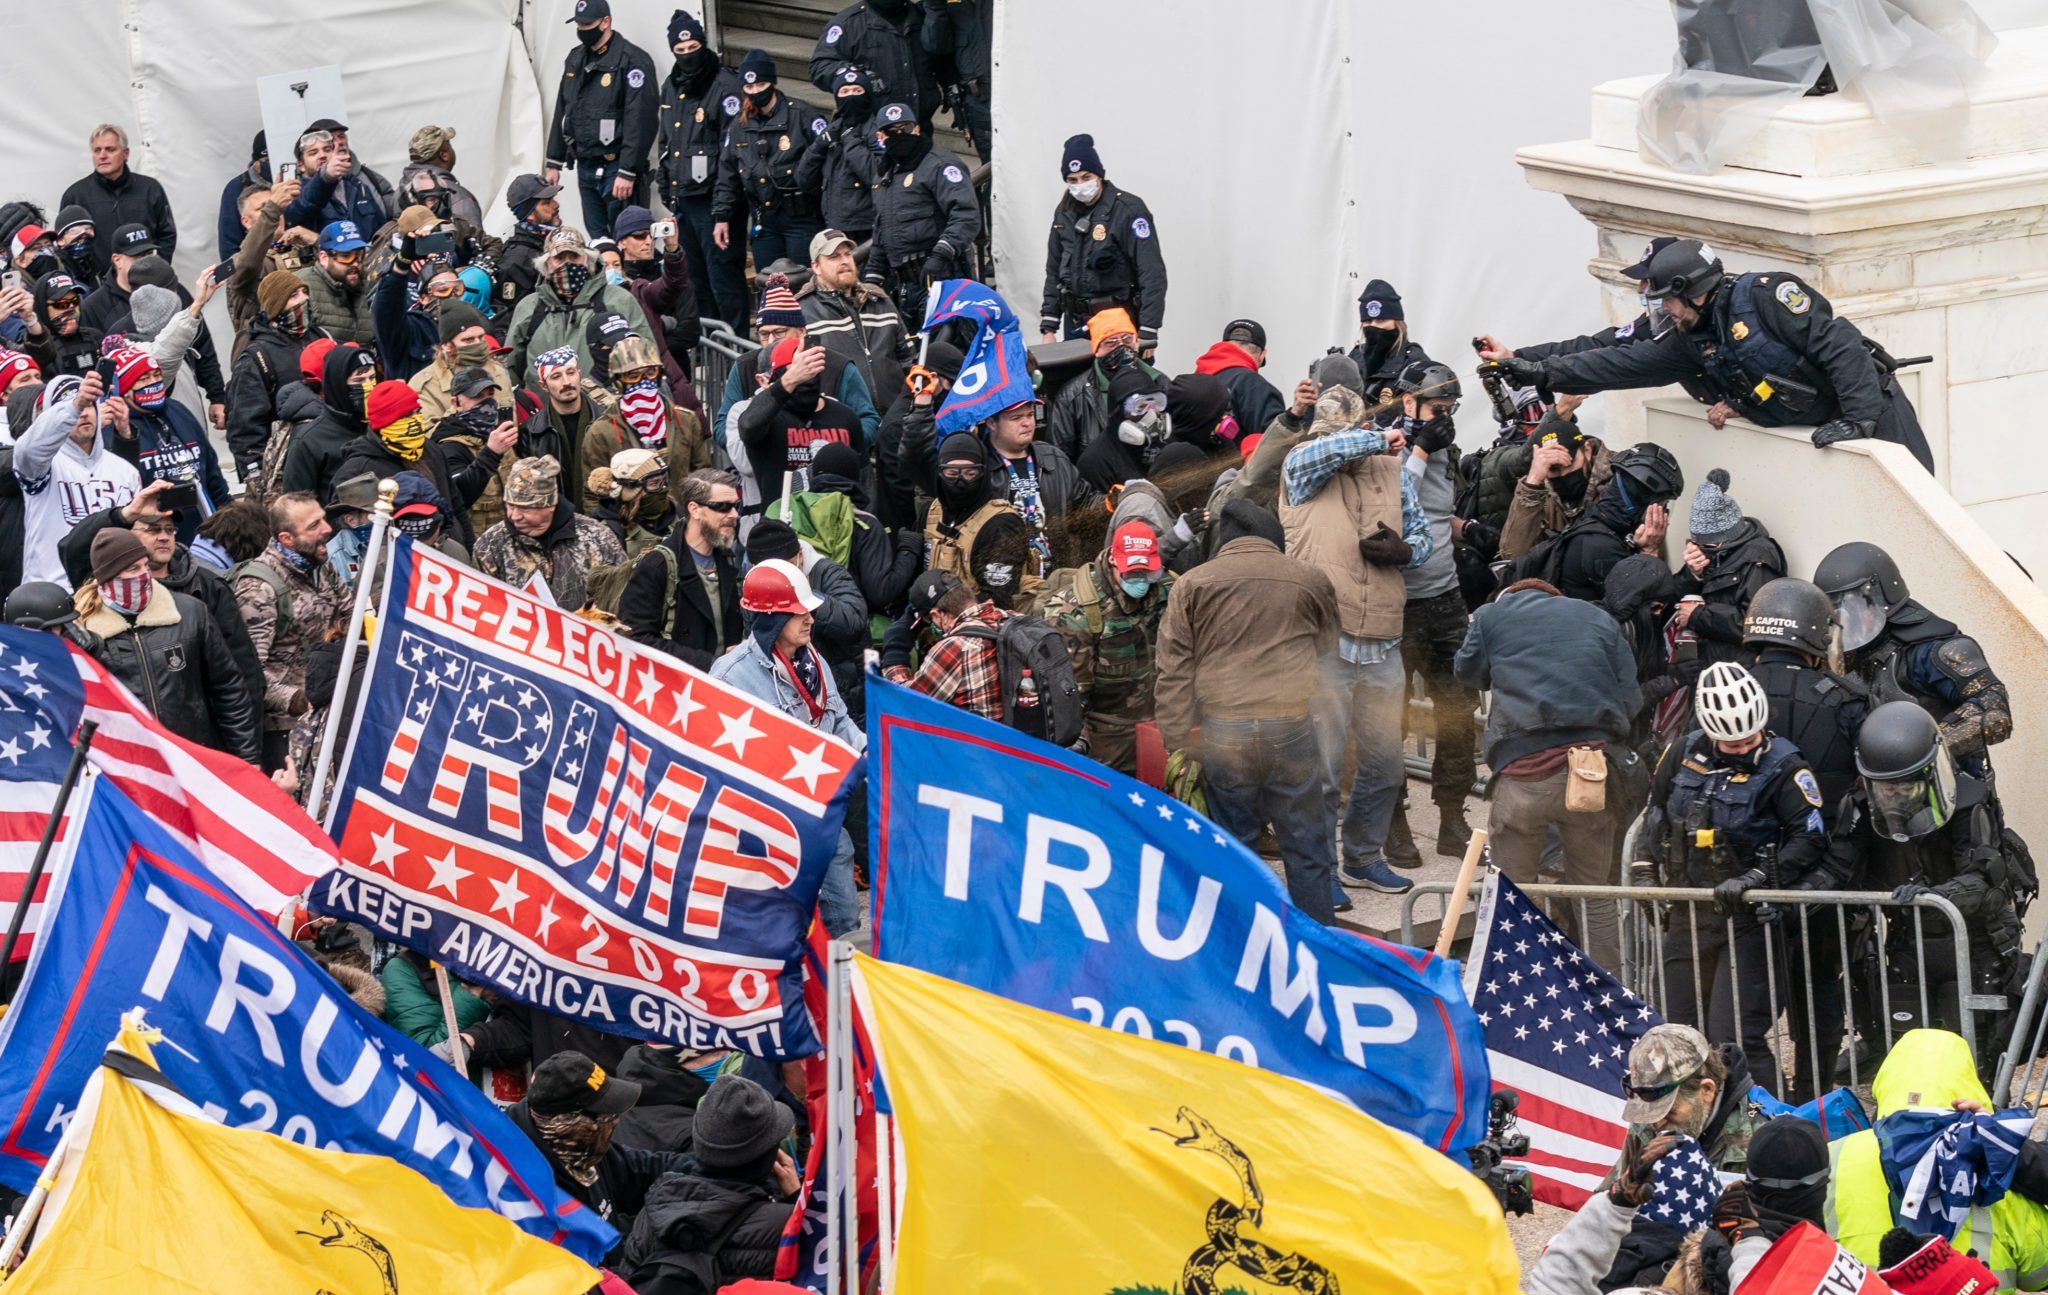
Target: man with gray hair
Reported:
[(684, 594), (115, 196)]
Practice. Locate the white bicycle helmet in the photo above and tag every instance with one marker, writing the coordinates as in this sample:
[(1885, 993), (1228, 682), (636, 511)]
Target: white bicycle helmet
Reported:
[(1730, 703)]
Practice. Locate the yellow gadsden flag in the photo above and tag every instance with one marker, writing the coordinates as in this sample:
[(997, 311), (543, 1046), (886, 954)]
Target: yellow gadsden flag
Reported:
[(164, 1203), (1045, 1155)]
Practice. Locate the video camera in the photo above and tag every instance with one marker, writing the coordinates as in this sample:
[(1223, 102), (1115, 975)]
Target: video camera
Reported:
[(1509, 1183)]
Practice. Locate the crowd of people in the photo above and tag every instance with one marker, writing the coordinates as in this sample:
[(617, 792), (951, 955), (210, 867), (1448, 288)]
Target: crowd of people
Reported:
[(1225, 586)]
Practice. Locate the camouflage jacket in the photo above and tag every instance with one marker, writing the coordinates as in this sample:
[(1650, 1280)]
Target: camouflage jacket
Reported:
[(563, 556), (1110, 641), (316, 600)]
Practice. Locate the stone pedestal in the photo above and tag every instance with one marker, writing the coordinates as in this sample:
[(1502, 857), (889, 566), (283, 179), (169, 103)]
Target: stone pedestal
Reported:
[(1950, 261)]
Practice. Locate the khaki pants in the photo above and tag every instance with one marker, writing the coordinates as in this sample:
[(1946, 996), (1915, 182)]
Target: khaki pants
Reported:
[(1522, 817)]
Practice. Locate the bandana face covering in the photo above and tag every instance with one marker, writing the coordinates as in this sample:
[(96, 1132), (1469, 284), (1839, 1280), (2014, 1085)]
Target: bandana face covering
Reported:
[(578, 1141), (127, 595), (645, 412), (407, 438), (569, 279)]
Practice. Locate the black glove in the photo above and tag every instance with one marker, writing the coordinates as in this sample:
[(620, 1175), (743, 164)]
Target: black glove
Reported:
[(1734, 1218), (1728, 895), (1520, 372), (1190, 524), (897, 641), (938, 263), (1910, 891), (1842, 429), (910, 539), (1385, 549), (1482, 537), (1433, 435)]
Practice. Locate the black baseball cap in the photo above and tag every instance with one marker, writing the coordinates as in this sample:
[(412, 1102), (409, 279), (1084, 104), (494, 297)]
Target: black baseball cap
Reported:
[(570, 1083), (134, 240), (525, 190), (1245, 330), (925, 592), (590, 11), (328, 124), (1641, 269)]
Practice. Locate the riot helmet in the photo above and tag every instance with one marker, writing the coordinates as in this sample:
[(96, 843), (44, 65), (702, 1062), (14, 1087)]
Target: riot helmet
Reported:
[(1649, 473), (1908, 775), (40, 605), (1687, 268), (1790, 612), (1865, 585), (1428, 380)]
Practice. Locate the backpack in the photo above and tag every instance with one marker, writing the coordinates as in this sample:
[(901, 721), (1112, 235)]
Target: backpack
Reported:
[(604, 585), (1544, 561), (287, 622), (658, 1266), (1031, 643)]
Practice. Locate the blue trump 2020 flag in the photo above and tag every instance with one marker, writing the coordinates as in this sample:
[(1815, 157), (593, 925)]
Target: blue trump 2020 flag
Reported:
[(993, 374), (255, 1033), (1025, 870)]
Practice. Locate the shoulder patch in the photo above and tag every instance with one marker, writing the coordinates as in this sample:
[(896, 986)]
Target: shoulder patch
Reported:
[(636, 78), (731, 105), (1793, 298), (1141, 227), (833, 33), (954, 174), (1809, 787), (818, 126), (1626, 330)]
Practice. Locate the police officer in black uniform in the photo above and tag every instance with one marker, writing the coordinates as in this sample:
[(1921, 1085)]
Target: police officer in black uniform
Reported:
[(1770, 346), (1917, 824), (1383, 348), (604, 118), (843, 166), (699, 101), (885, 39), (1904, 652), (764, 148), (1628, 517), (1789, 625), (1734, 807), (926, 216), (959, 39), (1103, 252)]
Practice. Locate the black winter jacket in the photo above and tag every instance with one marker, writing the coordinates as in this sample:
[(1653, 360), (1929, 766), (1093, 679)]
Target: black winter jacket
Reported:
[(268, 363), (134, 199), (173, 657), (684, 1215), (759, 166), (644, 603), (459, 478), (889, 49), (56, 353), (882, 567), (625, 1177)]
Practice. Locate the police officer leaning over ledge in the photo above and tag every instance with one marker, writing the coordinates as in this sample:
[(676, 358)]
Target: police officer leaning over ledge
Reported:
[(1771, 347), (1736, 808), (1103, 252)]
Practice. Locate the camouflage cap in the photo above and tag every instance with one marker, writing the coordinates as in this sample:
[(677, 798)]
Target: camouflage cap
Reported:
[(428, 141), (1664, 1058), (534, 483)]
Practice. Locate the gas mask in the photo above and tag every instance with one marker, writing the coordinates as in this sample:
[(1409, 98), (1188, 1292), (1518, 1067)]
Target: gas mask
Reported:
[(1147, 430), (1908, 808)]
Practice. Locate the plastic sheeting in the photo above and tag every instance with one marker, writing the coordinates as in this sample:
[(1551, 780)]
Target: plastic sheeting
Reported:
[(1739, 61)]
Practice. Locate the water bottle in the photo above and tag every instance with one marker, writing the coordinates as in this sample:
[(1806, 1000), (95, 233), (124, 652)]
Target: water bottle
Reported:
[(1030, 716)]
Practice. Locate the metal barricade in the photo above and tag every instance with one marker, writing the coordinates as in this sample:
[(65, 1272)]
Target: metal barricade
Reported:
[(1856, 926), (718, 349), (2023, 1058)]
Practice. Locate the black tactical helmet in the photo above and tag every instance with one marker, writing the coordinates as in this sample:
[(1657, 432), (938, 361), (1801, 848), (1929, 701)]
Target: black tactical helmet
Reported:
[(1652, 472), (1866, 588), (1688, 268), (40, 605), (1790, 612), (1908, 777), (1428, 380)]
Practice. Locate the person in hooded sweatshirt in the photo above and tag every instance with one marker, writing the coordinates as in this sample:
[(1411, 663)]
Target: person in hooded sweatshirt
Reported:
[(166, 441), (882, 566), (346, 376), (397, 442), (1728, 557), (1138, 401), (727, 1214), (783, 425), (59, 340), (66, 471), (1236, 361)]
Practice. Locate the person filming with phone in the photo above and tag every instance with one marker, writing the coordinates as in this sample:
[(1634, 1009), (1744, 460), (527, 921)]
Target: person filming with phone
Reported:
[(165, 442)]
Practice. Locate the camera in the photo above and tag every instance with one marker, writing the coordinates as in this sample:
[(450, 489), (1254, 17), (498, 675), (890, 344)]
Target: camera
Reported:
[(1509, 1184)]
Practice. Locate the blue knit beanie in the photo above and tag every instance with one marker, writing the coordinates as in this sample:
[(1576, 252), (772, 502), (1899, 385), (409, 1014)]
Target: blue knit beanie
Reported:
[(1080, 155)]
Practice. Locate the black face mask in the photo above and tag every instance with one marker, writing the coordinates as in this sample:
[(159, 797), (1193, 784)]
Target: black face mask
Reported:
[(890, 8), (41, 263), (757, 102), (807, 395), (900, 145), (853, 106), (1571, 487), (1123, 357), (697, 66), (963, 496), (590, 37), (1379, 343), (80, 252)]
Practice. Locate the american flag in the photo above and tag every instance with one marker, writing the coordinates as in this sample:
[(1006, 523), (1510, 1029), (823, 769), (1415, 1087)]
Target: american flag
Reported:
[(1558, 1030), (251, 835)]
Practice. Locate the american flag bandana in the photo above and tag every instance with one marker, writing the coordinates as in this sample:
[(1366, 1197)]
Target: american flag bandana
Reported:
[(644, 410), (560, 357)]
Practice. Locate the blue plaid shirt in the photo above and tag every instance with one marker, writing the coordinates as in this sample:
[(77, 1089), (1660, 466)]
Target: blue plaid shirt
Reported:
[(1309, 467)]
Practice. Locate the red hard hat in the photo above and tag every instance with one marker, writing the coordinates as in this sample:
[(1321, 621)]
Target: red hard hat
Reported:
[(777, 586)]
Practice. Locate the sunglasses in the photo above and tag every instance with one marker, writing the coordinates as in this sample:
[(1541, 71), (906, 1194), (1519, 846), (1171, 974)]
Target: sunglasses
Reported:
[(722, 506), (1656, 1092)]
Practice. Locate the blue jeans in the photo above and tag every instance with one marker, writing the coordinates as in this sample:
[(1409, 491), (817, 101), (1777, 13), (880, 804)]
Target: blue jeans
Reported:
[(778, 235), (1259, 771), (600, 209), (1360, 706), (720, 275), (836, 900)]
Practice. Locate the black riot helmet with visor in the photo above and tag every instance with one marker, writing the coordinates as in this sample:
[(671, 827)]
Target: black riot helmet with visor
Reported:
[(1908, 776), (1865, 585), (1687, 268)]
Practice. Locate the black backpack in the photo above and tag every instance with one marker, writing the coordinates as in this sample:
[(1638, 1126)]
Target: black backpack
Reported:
[(1031, 643)]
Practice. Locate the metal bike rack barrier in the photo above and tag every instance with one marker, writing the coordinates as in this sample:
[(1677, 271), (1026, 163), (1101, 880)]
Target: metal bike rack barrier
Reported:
[(1643, 935), (2029, 1024), (718, 349)]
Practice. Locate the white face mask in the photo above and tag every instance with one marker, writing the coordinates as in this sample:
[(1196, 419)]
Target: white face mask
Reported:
[(1086, 192)]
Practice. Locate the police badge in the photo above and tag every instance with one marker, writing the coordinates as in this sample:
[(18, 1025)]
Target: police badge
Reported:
[(1738, 330)]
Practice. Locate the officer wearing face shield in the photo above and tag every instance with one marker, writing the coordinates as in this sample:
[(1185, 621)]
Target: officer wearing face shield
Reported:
[(1916, 824), (1771, 348), (1903, 652)]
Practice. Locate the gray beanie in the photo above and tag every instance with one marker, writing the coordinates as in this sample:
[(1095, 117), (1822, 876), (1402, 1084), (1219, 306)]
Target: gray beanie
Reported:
[(1714, 511), (150, 308), (1337, 370)]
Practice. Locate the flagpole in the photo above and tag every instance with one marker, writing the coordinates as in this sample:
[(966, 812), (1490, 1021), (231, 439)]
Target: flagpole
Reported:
[(1454, 907), (848, 1132), (32, 1208), (380, 526), (35, 869), (885, 1198), (458, 1056), (835, 1167)]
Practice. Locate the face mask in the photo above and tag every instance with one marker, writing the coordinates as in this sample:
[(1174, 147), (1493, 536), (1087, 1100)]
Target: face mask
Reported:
[(473, 354), (127, 595), (709, 1070), (959, 490), (853, 106), (569, 280), (757, 101), (1227, 429), (1379, 342), (590, 37), (1123, 357), (1434, 434), (900, 146), (614, 277), (293, 320), (80, 252), (1148, 430), (357, 396), (693, 65), (1135, 586), (152, 398), (1086, 192), (407, 438), (1571, 487), (40, 264), (362, 533)]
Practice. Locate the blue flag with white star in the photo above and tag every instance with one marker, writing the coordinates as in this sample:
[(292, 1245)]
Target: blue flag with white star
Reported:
[(1025, 870)]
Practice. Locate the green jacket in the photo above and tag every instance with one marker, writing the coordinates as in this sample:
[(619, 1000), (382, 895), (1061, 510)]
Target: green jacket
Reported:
[(542, 323), (413, 1007)]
